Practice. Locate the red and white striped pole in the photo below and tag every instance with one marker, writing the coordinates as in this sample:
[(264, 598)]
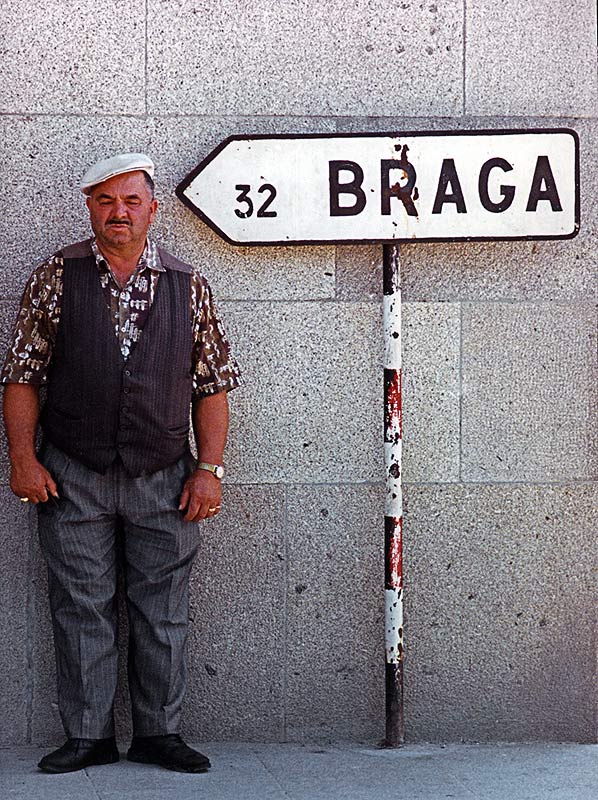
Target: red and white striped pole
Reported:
[(393, 519)]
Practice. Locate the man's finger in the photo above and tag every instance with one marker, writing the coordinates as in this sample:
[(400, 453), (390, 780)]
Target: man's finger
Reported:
[(184, 498), (193, 509), (202, 513), (51, 485)]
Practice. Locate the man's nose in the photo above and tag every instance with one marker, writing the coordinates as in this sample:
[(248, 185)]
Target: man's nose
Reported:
[(119, 208)]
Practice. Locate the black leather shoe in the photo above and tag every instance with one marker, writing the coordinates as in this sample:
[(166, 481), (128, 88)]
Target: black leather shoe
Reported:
[(79, 753), (169, 751)]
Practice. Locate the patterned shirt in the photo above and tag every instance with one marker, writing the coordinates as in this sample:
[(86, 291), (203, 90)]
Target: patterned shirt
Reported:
[(30, 352)]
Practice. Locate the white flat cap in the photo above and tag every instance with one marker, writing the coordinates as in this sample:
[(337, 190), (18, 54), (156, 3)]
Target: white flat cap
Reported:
[(117, 165)]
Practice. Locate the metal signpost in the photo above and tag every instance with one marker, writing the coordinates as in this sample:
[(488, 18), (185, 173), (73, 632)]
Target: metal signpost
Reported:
[(388, 188)]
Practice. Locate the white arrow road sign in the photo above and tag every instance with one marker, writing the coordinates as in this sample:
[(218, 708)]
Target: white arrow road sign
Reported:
[(358, 187)]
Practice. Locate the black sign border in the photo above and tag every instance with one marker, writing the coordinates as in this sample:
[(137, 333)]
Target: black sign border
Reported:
[(180, 189)]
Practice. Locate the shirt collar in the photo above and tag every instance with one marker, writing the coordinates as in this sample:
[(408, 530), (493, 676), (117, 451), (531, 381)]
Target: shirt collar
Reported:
[(149, 258)]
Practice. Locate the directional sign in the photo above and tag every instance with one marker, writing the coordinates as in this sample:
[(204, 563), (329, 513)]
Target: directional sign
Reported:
[(385, 187)]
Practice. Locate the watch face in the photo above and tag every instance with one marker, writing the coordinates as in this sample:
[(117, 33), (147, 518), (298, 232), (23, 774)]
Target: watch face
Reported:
[(219, 472)]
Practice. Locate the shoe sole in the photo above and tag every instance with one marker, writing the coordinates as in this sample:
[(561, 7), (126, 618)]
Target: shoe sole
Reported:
[(96, 763), (142, 759)]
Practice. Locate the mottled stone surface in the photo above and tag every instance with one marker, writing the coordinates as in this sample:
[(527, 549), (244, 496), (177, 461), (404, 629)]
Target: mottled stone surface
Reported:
[(86, 57), (500, 613), (305, 58), (511, 64), (335, 649), (15, 660), (310, 409), (306, 356), (529, 392), (431, 381), (236, 647), (359, 272)]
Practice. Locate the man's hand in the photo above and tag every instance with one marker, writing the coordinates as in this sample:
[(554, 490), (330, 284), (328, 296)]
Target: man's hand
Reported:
[(30, 479), (201, 496)]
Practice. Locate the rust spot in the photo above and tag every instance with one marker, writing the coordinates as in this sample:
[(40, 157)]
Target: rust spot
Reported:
[(393, 536), (409, 192), (393, 418)]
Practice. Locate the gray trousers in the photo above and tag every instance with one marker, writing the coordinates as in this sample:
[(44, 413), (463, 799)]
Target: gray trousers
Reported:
[(78, 536)]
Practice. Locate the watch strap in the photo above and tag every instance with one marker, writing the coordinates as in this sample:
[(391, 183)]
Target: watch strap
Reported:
[(215, 469)]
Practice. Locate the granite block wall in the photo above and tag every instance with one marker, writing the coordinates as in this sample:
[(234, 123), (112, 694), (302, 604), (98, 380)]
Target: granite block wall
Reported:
[(286, 636)]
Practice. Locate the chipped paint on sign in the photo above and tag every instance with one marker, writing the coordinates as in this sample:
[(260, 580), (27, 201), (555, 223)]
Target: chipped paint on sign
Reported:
[(393, 537), (393, 423), (394, 626), (392, 330)]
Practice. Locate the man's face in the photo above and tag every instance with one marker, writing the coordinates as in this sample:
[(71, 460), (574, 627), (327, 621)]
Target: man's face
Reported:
[(121, 210)]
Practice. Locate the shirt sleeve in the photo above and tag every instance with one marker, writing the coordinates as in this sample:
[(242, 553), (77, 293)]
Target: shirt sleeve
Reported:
[(30, 350), (214, 368)]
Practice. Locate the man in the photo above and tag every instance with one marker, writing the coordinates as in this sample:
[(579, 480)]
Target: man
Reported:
[(128, 340)]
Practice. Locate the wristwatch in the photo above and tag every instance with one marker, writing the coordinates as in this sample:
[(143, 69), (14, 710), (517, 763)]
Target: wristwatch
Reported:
[(215, 469)]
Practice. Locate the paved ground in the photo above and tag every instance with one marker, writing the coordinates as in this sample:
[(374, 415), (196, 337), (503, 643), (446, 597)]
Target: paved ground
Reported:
[(339, 772)]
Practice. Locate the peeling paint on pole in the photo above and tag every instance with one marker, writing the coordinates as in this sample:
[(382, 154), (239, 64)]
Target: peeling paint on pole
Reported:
[(393, 520)]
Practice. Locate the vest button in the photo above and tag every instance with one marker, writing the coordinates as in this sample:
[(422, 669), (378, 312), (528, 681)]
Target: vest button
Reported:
[(126, 390), (128, 373)]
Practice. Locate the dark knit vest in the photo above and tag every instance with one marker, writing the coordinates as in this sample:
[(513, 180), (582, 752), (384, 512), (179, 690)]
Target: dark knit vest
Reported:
[(99, 405)]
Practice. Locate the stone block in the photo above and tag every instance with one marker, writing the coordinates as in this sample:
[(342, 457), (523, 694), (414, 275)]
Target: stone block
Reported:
[(359, 272), (15, 663), (43, 161), (86, 58), (529, 392), (311, 406), (431, 380), (335, 609), (319, 419), (513, 270), (236, 646), (500, 613), (511, 66), (235, 273), (316, 59)]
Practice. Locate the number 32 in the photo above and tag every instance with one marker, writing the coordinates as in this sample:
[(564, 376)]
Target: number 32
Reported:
[(243, 197)]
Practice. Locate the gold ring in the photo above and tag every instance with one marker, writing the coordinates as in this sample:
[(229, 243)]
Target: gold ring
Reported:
[(214, 509), (24, 499)]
